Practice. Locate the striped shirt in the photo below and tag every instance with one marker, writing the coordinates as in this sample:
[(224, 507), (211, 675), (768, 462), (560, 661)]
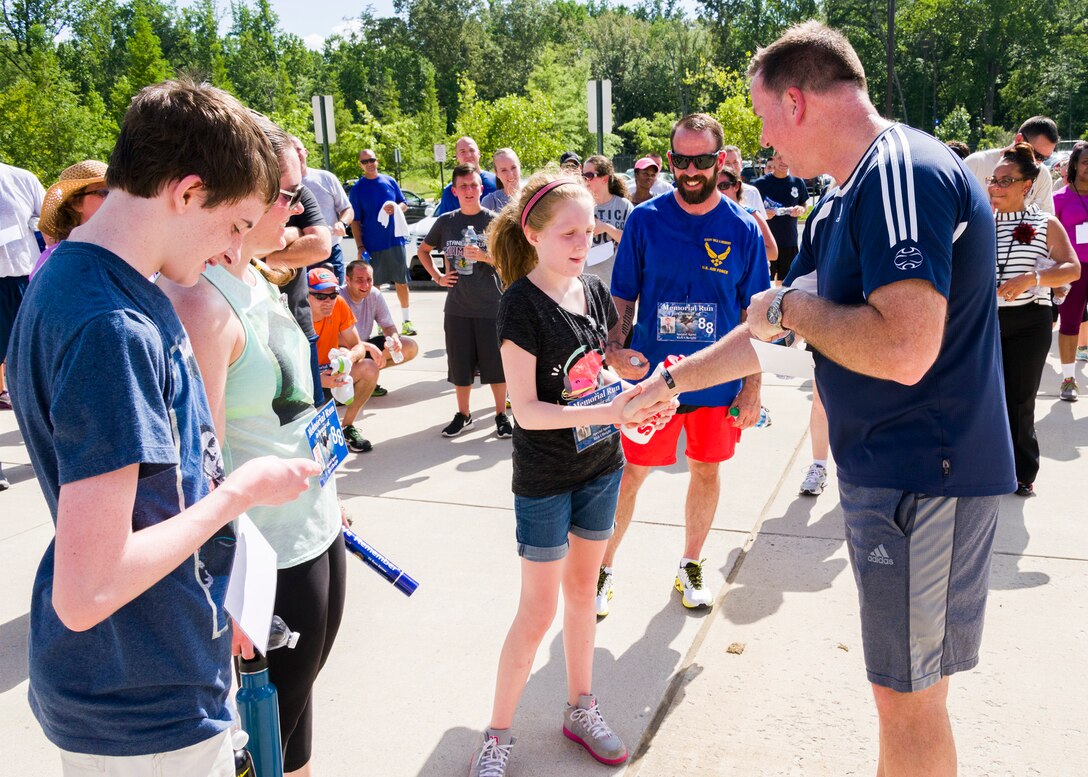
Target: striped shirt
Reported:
[(1015, 257)]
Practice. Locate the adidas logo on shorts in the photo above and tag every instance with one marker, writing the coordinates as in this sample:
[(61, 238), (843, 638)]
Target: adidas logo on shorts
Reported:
[(880, 556)]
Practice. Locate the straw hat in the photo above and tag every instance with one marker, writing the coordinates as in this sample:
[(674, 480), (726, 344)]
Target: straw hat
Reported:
[(73, 180)]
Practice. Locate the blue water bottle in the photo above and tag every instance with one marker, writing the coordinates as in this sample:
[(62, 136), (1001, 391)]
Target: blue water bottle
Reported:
[(259, 712)]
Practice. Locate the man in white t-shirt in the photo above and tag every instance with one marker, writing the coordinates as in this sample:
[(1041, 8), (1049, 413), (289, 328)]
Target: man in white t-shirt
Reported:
[(1039, 132), (21, 196), (369, 307), (749, 195), (333, 201)]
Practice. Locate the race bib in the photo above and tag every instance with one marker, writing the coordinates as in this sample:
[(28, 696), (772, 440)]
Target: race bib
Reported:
[(585, 436), (687, 322), (327, 443), (1082, 233)]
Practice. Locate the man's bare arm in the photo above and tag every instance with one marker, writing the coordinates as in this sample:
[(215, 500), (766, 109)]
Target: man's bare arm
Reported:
[(896, 336), (313, 246)]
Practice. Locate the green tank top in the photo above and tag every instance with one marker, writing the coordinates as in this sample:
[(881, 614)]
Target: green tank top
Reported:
[(269, 401)]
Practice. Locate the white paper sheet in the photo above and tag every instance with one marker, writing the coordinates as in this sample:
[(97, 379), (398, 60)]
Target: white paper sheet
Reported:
[(600, 253), (251, 592), (793, 362)]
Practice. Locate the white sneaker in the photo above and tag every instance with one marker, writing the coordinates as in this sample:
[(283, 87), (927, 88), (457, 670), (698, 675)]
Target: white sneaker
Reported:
[(689, 582), (604, 592), (815, 480)]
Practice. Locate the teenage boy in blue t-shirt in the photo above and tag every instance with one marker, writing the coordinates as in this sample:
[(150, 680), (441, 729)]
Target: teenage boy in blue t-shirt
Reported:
[(903, 321), (691, 260), (129, 643)]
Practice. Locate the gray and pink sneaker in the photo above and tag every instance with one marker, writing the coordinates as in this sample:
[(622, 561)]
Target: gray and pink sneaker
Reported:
[(585, 725)]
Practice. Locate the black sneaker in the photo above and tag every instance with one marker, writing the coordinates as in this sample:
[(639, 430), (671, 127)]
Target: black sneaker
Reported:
[(5, 484), (502, 426), (1025, 489), (356, 442), (379, 391), (459, 423)]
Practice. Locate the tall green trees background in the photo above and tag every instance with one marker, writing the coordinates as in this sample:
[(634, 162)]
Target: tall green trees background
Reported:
[(513, 72)]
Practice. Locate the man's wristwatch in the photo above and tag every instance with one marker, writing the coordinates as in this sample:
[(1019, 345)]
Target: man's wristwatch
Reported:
[(774, 312)]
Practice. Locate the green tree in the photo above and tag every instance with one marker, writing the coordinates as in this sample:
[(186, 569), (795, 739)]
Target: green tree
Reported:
[(45, 124), (644, 136), (742, 127), (956, 125)]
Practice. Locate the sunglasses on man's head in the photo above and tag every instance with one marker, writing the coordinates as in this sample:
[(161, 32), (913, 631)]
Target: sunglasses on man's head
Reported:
[(701, 161), (292, 196), (324, 297)]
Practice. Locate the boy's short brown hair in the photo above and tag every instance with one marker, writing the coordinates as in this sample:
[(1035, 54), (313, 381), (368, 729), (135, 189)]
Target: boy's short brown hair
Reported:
[(810, 56), (179, 128), (466, 170)]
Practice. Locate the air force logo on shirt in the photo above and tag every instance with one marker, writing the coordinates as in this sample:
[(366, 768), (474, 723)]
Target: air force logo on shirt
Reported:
[(908, 258)]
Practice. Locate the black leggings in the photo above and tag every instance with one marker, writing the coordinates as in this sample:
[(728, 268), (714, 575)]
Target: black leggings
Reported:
[(1025, 342), (310, 599)]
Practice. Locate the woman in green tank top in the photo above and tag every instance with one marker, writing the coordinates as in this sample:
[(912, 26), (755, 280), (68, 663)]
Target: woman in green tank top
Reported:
[(255, 362)]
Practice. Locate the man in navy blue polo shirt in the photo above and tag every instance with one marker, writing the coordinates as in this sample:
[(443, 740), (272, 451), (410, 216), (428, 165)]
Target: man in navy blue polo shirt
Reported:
[(902, 315)]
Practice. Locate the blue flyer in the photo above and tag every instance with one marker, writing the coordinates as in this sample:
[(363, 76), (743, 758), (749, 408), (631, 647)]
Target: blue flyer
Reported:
[(327, 442), (584, 436)]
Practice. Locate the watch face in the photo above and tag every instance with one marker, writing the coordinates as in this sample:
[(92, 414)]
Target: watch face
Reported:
[(774, 312)]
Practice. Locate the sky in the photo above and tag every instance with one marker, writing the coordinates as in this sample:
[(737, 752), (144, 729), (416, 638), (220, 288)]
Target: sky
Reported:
[(313, 20)]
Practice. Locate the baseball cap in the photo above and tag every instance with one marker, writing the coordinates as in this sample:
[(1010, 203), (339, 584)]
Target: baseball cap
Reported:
[(321, 279), (645, 162), (570, 156)]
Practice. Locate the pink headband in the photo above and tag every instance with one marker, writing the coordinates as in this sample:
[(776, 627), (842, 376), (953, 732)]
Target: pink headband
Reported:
[(540, 195)]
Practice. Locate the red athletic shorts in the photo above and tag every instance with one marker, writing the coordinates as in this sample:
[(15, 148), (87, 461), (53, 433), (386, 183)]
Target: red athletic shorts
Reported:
[(712, 437)]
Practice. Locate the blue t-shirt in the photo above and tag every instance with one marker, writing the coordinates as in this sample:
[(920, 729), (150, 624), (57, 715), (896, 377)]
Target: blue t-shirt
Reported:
[(909, 210), (448, 201), (782, 193), (104, 379), (692, 277), (367, 197)]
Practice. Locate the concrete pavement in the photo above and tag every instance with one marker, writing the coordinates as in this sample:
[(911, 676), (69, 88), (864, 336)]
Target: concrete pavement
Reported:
[(409, 684)]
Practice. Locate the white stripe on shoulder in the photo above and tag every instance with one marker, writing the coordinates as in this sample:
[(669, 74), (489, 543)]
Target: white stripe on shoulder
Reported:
[(824, 211), (888, 218), (959, 231), (908, 168), (895, 173)]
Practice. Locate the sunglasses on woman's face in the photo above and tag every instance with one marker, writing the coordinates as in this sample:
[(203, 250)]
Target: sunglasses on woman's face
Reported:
[(589, 175), (96, 193), (701, 161), (292, 197), (724, 186)]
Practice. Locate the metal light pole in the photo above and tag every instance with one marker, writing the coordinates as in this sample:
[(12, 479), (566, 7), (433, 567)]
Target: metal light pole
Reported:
[(891, 60)]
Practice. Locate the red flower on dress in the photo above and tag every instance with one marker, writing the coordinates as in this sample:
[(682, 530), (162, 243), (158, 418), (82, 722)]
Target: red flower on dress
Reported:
[(1024, 233)]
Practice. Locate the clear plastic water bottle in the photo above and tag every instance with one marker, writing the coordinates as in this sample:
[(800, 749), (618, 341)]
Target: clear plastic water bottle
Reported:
[(398, 354), (764, 416), (279, 635), (340, 364), (463, 264), (781, 211)]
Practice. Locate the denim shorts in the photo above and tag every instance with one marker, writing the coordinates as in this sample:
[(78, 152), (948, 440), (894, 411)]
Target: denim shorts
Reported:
[(922, 565), (588, 512)]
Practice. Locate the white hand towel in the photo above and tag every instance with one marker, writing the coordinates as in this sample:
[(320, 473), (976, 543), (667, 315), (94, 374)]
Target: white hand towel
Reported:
[(400, 224)]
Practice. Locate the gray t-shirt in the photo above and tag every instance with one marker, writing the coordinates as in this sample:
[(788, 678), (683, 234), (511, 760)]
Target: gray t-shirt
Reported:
[(476, 295), (329, 194), (496, 201), (369, 309), (614, 211)]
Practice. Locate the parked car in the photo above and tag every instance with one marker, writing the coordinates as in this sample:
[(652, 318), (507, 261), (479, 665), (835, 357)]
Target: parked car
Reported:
[(416, 233)]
